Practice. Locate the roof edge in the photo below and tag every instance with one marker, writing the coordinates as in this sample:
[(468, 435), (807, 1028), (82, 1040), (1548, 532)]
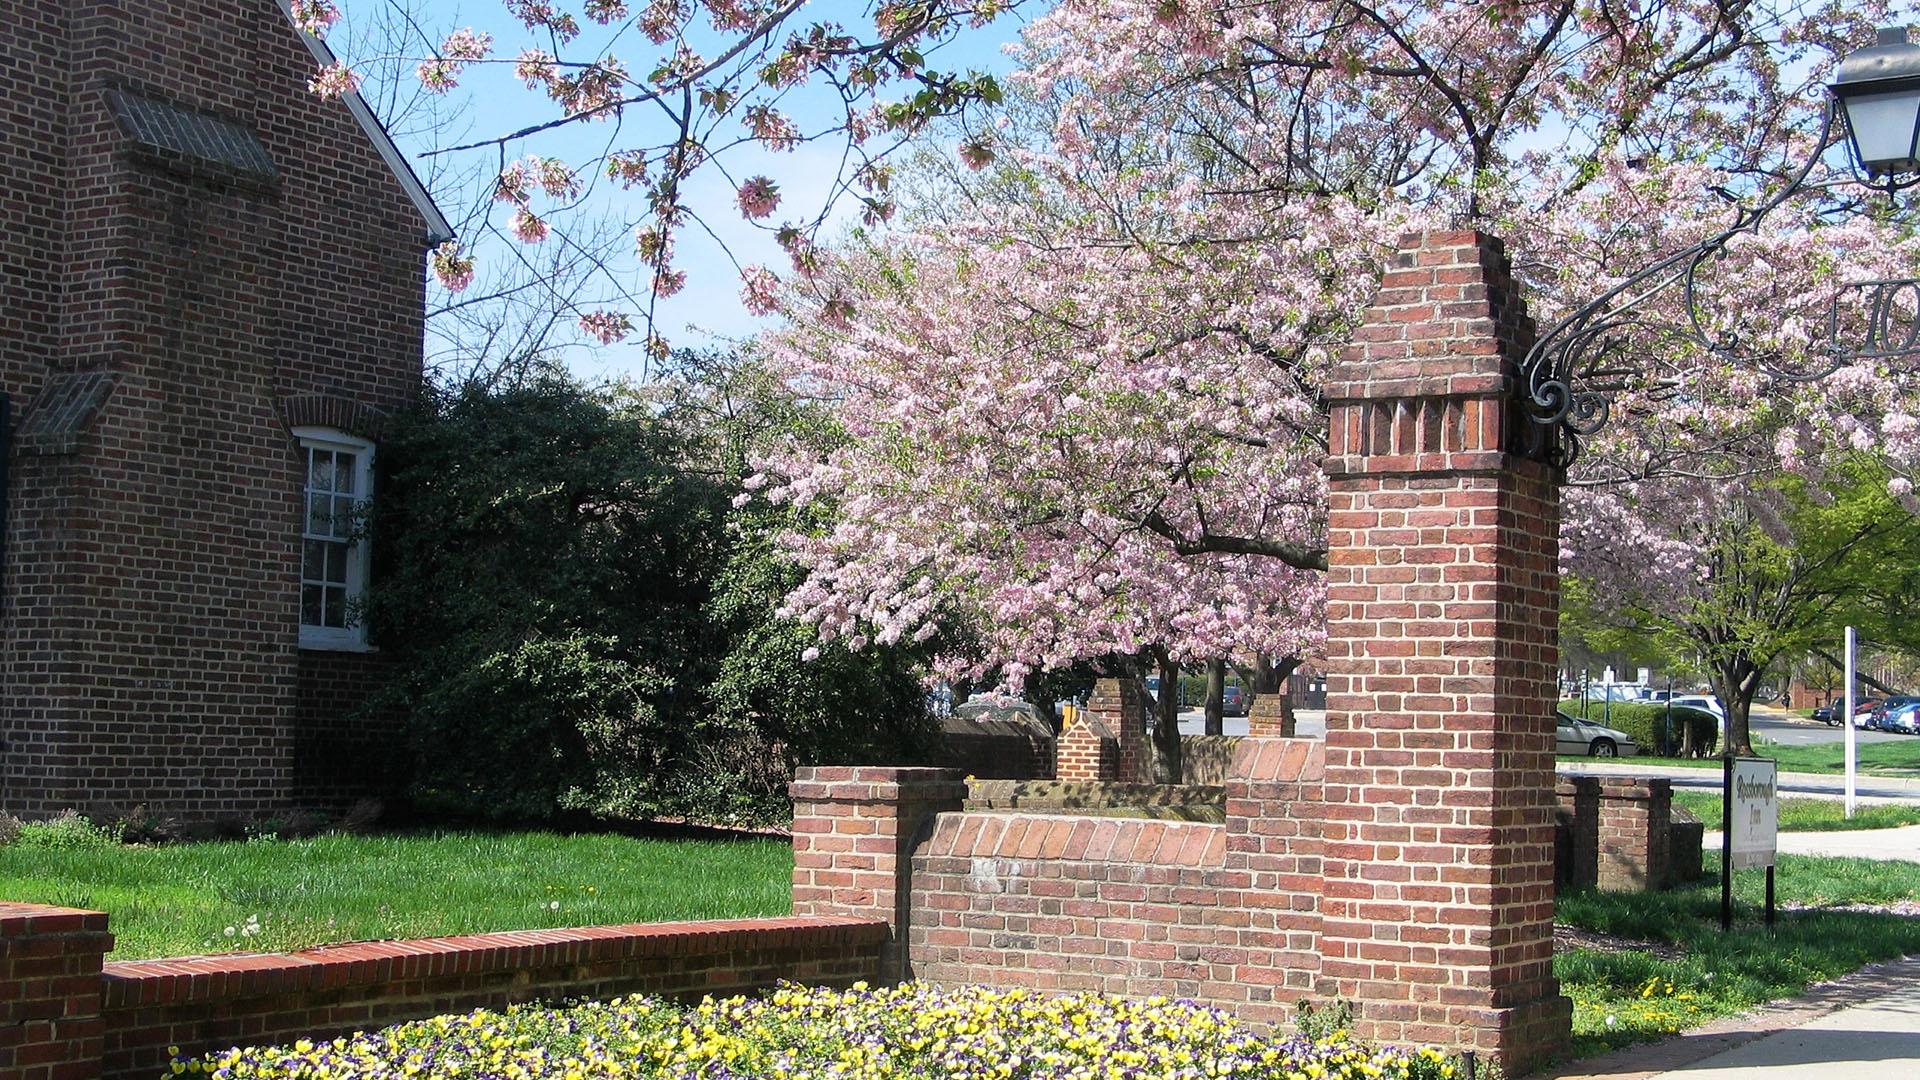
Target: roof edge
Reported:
[(439, 231)]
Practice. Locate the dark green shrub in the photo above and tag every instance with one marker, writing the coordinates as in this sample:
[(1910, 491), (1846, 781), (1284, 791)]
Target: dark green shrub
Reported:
[(1646, 724)]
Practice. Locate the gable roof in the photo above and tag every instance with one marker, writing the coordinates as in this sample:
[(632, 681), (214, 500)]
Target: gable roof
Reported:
[(438, 230)]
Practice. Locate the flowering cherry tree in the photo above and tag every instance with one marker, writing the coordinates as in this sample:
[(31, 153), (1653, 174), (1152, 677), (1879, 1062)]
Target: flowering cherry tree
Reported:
[(680, 85), (1080, 384)]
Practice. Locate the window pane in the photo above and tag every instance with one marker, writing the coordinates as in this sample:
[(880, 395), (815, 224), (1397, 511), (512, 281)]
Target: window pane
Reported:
[(343, 470), (310, 605), (337, 563), (317, 515), (315, 563), (319, 465), (336, 613), (343, 515)]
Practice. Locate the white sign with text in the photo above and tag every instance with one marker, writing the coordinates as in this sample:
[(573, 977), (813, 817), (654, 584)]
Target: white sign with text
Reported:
[(1755, 818)]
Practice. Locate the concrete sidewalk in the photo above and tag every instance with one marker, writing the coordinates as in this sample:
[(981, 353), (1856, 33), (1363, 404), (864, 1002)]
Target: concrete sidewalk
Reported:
[(1865, 1026), (1887, 845)]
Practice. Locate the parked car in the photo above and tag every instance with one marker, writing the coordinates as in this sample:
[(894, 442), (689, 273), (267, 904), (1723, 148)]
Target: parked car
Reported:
[(1863, 712), (1705, 703), (1828, 714), (1572, 735), (1233, 701), (1882, 710), (1904, 719)]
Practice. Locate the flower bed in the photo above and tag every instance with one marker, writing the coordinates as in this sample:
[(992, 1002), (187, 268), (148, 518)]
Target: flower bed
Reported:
[(912, 1031)]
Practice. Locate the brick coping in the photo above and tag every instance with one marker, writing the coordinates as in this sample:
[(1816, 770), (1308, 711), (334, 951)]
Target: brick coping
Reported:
[(1651, 1059), (331, 967)]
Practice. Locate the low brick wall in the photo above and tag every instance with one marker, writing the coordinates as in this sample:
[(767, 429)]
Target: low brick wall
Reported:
[(1204, 758), (71, 1017), (1227, 914), (1176, 802)]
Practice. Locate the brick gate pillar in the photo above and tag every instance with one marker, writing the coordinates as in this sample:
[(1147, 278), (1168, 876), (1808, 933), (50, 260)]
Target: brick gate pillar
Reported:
[(1442, 600)]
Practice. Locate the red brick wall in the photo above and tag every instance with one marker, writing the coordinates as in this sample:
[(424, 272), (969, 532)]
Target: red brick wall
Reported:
[(65, 1016), (1087, 752), (149, 651), (1220, 913), (1442, 600), (50, 1024), (854, 833)]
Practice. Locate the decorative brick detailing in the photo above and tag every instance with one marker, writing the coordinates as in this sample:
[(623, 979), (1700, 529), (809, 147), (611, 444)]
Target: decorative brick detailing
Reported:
[(334, 410), (66, 1016), (1087, 751), (1443, 596), (1122, 706), (1271, 717), (854, 831), (50, 959)]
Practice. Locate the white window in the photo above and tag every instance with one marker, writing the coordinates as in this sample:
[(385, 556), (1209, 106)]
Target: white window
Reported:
[(333, 559)]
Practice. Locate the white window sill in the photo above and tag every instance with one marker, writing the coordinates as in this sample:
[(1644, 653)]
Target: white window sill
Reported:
[(308, 644)]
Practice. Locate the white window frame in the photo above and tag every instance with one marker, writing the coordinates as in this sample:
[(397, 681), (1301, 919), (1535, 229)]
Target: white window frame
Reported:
[(352, 637)]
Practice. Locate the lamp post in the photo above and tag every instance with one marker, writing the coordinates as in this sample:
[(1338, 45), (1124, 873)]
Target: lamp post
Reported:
[(1878, 88), (1578, 365)]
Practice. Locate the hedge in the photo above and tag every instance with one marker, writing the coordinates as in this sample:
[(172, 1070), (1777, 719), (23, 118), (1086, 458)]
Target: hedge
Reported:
[(1646, 723)]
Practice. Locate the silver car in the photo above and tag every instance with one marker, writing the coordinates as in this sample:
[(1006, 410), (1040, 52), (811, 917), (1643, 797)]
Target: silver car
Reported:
[(1572, 735)]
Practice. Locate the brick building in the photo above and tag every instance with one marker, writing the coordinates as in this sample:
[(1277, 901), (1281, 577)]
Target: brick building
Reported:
[(212, 294)]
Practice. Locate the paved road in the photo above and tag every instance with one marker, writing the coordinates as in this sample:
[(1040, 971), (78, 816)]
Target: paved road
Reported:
[(1788, 730)]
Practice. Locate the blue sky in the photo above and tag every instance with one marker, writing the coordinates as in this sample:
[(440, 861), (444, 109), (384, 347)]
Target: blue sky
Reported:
[(490, 102)]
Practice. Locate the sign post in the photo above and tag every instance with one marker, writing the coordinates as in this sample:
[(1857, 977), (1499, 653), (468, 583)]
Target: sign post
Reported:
[(1846, 722), (1751, 821)]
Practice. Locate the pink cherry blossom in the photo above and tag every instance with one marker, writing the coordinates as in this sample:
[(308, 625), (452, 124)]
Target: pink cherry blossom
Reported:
[(452, 266), (527, 227), (335, 80), (315, 17), (758, 197), (760, 290), (606, 327)]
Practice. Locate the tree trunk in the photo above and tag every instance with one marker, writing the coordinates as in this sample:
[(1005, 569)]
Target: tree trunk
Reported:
[(1216, 697), (1735, 679), (1166, 728)]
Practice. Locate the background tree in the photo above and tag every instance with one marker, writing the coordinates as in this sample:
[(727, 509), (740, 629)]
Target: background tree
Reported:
[(1081, 384), (1747, 578)]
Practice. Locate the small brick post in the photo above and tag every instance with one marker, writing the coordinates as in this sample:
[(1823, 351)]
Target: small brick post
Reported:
[(1274, 788), (1271, 717), (50, 1017), (1579, 819), (1442, 601), (1086, 752), (854, 831), (1635, 820), (1120, 704)]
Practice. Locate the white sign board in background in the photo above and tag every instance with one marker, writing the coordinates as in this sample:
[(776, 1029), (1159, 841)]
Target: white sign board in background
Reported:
[(1755, 817)]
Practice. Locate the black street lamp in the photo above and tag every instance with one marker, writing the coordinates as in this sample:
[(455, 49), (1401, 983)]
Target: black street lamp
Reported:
[(1878, 88), (1576, 366)]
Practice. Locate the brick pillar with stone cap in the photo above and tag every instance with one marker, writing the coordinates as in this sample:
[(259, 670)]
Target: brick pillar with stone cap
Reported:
[(1442, 602), (854, 831), (1121, 707), (51, 1025)]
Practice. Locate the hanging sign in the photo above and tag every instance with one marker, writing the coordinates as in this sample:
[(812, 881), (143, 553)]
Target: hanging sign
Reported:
[(1754, 820)]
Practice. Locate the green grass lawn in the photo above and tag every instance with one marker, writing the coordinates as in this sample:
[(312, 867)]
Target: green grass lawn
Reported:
[(1883, 758), (1713, 974), (1808, 815), (180, 900)]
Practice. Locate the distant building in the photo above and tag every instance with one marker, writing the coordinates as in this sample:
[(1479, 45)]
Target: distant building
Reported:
[(213, 291)]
